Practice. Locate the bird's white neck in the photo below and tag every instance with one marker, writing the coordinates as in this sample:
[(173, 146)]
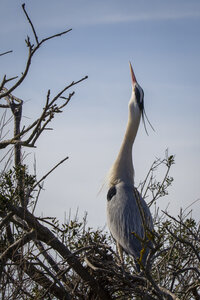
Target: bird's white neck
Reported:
[(122, 169)]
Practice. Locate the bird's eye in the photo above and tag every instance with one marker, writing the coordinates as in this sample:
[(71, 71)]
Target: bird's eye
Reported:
[(139, 94), (112, 191)]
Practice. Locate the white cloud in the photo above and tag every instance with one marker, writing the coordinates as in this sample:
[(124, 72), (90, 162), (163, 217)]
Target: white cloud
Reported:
[(140, 17)]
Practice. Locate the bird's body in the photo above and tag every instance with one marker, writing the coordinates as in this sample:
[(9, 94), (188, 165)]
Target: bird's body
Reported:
[(125, 220), (128, 215)]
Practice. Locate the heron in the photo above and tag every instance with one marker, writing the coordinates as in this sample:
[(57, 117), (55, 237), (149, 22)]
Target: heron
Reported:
[(128, 216)]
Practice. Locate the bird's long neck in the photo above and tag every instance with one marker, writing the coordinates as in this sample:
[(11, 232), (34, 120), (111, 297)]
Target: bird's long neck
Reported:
[(122, 169)]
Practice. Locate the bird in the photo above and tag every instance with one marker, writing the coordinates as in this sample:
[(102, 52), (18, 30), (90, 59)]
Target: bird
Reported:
[(128, 216)]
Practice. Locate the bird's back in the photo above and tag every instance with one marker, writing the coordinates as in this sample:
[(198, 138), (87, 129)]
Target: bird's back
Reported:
[(124, 218)]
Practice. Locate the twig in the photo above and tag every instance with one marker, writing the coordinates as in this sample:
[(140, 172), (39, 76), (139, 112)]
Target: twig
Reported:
[(47, 174), (29, 20), (29, 59), (10, 51), (185, 242), (40, 278), (182, 224), (6, 219), (37, 126), (50, 260), (167, 292), (91, 265), (9, 252), (186, 270)]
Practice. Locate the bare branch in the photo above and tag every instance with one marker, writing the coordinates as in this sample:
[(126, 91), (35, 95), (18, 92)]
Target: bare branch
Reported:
[(32, 51), (4, 53), (40, 278), (172, 296), (9, 252), (6, 219), (45, 235), (47, 115), (29, 20), (48, 173)]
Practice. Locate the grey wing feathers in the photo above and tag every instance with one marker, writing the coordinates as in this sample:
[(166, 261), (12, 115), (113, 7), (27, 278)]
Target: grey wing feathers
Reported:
[(124, 217)]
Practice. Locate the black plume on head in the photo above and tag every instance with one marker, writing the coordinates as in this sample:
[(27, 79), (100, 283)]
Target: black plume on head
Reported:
[(139, 94)]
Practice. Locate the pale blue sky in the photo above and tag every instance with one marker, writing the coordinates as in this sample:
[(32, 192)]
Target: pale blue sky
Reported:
[(162, 40)]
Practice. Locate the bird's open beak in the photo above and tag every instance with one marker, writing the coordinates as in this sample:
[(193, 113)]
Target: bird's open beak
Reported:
[(133, 78)]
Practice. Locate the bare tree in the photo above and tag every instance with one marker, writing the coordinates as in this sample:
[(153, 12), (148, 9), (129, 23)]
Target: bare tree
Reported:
[(43, 259)]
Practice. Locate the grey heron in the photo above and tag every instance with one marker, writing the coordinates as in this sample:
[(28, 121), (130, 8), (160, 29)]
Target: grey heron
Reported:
[(128, 215)]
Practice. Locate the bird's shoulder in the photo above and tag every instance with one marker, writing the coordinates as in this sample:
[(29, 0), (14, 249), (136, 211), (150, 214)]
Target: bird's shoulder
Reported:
[(121, 190), (126, 196), (111, 192)]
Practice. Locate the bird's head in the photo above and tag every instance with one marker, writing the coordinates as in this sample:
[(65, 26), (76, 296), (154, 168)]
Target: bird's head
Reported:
[(137, 96), (136, 103)]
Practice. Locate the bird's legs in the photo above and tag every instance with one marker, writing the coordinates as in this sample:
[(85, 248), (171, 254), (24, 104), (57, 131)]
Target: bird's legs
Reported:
[(120, 252)]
